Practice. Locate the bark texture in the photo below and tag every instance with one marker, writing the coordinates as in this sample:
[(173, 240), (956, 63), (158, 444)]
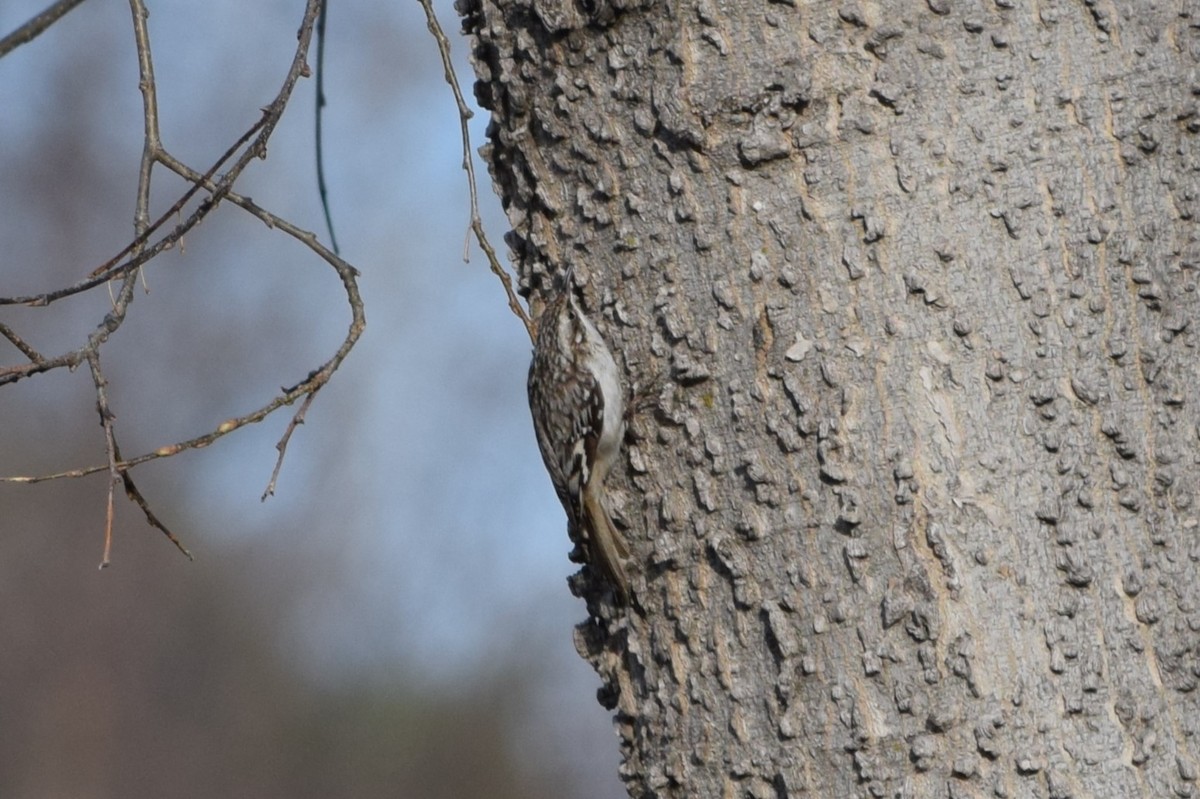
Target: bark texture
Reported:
[(914, 513)]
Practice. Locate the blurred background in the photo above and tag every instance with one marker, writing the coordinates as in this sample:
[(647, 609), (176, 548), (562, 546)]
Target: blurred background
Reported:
[(395, 621)]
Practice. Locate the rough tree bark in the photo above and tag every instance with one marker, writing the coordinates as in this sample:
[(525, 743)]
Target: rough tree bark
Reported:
[(914, 513)]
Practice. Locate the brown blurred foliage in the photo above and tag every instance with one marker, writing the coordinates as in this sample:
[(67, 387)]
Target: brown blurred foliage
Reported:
[(159, 677)]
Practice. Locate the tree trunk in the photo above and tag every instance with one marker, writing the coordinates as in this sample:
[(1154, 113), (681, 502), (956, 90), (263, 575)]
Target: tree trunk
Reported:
[(911, 288)]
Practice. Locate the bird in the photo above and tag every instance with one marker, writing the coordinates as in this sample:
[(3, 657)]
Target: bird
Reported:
[(578, 405)]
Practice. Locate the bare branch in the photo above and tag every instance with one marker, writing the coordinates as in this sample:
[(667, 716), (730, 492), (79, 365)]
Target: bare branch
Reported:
[(315, 380), (464, 117), (36, 26), (112, 269), (110, 448), (215, 185), (151, 145)]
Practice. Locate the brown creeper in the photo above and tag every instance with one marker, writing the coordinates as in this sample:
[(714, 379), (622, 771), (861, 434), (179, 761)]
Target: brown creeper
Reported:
[(578, 410)]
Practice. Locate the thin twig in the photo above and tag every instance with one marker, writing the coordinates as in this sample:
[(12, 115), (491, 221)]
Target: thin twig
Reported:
[(135, 495), (36, 26), (297, 419), (151, 144), (464, 117), (20, 343), (322, 190), (110, 448)]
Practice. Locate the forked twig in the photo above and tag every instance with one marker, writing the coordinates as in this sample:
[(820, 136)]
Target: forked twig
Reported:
[(217, 187), (464, 117)]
